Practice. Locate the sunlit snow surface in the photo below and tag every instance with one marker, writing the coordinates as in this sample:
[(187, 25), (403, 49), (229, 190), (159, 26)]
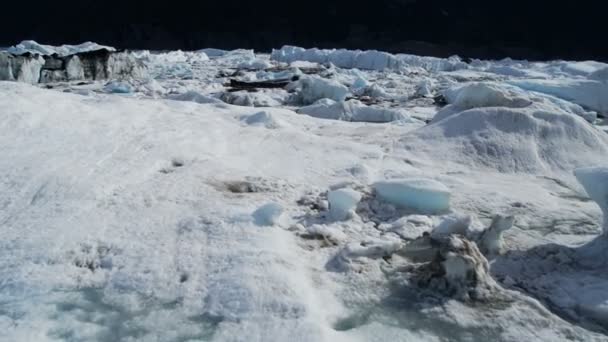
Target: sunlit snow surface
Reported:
[(149, 210)]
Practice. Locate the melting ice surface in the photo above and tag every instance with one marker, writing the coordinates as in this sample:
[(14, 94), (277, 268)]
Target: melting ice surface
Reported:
[(167, 208)]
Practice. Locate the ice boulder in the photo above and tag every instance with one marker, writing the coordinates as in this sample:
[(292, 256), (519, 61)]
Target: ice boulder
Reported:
[(595, 182), (313, 88), (342, 203), (268, 215), (423, 195)]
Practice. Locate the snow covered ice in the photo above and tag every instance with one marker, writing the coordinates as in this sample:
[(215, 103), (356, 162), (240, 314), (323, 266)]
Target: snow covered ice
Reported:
[(342, 202), (368, 196), (313, 88)]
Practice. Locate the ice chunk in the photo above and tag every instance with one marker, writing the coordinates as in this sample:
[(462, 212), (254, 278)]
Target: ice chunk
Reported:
[(152, 88), (254, 64), (432, 64), (211, 52), (125, 65), (247, 99), (486, 94), (304, 64), (453, 224), (409, 227), (595, 182), (194, 96), (342, 203), (118, 87), (359, 85), (424, 195), (591, 94), (359, 112), (174, 64), (313, 88), (424, 88), (583, 68), (332, 234), (288, 74), (268, 215), (491, 241)]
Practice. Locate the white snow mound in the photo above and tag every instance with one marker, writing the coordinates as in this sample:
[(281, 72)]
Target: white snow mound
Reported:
[(492, 94), (511, 139)]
